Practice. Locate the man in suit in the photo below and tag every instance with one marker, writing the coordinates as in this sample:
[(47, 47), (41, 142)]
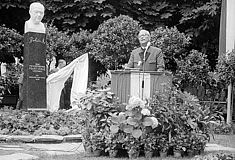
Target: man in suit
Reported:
[(146, 57)]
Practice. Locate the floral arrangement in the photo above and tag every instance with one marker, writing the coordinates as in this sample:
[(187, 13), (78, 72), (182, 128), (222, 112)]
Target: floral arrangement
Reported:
[(169, 122)]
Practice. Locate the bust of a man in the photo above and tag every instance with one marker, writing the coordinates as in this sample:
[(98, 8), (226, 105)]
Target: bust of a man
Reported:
[(34, 24)]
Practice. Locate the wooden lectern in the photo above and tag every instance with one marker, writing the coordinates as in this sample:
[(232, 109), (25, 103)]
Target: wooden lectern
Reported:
[(128, 83)]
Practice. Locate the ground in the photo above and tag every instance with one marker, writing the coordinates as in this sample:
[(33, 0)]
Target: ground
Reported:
[(73, 151)]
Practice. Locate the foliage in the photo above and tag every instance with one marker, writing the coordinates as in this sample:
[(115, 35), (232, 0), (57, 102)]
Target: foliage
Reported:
[(197, 142), (180, 115), (223, 128), (80, 45), (226, 68), (193, 75), (96, 107), (18, 122), (134, 120), (181, 142), (162, 143), (103, 81), (193, 70), (4, 86), (137, 124), (149, 141), (173, 44), (116, 38), (14, 3), (79, 40), (201, 20), (58, 44), (198, 19), (216, 156), (11, 44), (172, 119), (113, 40), (78, 14), (9, 80)]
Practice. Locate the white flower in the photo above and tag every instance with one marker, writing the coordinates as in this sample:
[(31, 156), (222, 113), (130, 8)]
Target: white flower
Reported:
[(155, 122), (136, 102), (145, 111)]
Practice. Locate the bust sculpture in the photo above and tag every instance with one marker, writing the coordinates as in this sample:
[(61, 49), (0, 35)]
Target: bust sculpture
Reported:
[(34, 24)]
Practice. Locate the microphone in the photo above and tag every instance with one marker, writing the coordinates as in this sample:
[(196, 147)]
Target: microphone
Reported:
[(147, 46)]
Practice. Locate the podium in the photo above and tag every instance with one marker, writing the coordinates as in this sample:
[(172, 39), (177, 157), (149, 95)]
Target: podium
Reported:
[(128, 83)]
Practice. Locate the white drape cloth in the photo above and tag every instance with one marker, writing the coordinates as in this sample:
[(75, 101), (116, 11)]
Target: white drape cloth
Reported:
[(55, 82)]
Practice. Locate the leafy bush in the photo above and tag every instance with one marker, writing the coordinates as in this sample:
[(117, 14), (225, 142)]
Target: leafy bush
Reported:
[(18, 122), (193, 70), (193, 75), (183, 119), (226, 67), (11, 43), (58, 43), (170, 120), (172, 43), (9, 81), (114, 40), (96, 109), (10, 78), (78, 43), (223, 128)]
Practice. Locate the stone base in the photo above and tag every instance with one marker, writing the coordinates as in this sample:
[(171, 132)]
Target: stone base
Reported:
[(41, 139)]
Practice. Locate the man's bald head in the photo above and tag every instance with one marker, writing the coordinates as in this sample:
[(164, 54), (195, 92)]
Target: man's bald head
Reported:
[(143, 32), (144, 37)]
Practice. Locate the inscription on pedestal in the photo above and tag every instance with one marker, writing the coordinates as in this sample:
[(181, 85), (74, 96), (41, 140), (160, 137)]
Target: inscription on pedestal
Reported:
[(36, 72)]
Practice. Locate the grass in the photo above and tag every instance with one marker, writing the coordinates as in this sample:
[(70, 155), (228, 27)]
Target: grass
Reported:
[(82, 157), (224, 140)]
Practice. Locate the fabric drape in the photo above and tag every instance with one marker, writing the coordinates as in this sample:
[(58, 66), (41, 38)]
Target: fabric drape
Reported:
[(55, 82)]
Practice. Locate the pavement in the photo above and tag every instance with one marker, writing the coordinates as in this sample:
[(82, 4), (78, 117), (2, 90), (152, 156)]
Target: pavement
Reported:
[(18, 150), (33, 147)]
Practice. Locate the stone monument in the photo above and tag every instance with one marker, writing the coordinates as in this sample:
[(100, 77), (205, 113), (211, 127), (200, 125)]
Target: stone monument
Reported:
[(34, 82)]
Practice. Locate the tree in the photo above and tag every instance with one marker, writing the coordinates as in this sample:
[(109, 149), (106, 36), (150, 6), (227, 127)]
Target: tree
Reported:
[(76, 14), (201, 20), (198, 19)]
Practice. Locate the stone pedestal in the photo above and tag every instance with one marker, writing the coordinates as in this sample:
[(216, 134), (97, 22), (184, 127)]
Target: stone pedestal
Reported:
[(34, 83)]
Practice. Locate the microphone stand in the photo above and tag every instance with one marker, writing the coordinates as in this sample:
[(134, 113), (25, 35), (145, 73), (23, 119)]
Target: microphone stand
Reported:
[(144, 72)]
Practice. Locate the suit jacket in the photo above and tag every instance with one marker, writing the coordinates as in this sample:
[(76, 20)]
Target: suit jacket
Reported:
[(153, 59)]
